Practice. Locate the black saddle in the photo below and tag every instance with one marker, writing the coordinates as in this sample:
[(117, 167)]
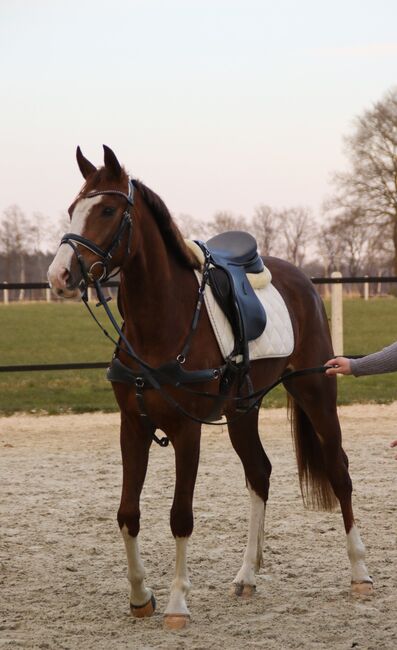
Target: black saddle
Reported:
[(233, 255), (238, 248)]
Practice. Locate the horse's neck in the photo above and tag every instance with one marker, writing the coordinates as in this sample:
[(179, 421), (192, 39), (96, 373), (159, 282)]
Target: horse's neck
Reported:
[(158, 298)]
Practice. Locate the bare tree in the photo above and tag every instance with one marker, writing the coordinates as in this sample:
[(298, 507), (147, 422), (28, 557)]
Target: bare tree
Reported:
[(16, 239), (225, 220), (344, 243), (330, 247), (192, 228), (266, 228), (370, 185), (50, 239), (297, 231)]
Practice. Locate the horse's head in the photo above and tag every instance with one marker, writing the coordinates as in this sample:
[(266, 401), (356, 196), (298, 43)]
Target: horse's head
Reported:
[(100, 231)]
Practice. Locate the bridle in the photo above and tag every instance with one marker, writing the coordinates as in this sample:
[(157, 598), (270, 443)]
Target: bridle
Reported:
[(105, 255), (147, 376)]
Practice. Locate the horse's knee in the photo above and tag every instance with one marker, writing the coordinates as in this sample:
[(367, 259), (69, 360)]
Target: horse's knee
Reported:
[(129, 519), (181, 520)]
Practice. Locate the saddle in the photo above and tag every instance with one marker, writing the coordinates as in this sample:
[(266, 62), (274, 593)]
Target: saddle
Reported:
[(233, 254)]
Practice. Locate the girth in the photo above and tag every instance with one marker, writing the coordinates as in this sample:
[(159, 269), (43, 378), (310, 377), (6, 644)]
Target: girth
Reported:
[(171, 374)]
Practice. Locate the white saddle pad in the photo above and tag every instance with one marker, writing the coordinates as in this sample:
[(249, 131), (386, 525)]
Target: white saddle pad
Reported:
[(276, 341)]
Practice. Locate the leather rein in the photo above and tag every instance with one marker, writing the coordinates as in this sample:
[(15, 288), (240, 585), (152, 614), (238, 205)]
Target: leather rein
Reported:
[(171, 373)]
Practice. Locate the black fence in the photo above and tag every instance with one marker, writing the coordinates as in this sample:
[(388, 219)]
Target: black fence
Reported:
[(31, 286), (29, 291)]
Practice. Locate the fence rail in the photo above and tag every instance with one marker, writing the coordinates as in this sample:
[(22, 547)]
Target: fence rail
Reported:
[(40, 285), (383, 279), (55, 366), (359, 280), (336, 317)]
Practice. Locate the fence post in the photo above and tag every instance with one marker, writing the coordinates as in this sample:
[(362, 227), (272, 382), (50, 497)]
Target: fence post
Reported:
[(5, 297), (366, 290), (48, 295), (337, 315), (90, 294)]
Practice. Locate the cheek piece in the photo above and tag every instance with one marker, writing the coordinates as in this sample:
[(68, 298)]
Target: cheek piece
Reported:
[(105, 255)]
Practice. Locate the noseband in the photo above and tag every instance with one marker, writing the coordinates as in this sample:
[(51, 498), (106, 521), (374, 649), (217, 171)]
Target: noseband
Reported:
[(105, 255)]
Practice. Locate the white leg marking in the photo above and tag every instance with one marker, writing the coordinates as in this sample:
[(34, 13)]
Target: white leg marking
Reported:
[(63, 258), (253, 553), (180, 586), (356, 553), (140, 594)]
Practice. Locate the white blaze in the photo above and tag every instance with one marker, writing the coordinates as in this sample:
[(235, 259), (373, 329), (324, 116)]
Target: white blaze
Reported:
[(63, 258)]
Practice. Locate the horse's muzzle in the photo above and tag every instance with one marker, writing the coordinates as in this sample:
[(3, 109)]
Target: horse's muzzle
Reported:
[(63, 282)]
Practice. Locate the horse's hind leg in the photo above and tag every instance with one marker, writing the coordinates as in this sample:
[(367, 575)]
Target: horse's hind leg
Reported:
[(135, 444), (323, 464), (245, 440)]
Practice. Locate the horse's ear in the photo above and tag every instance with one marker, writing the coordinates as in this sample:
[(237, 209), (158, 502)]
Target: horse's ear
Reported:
[(85, 166), (111, 161)]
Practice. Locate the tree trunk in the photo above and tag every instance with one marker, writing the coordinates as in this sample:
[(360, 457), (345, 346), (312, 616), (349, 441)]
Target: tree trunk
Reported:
[(22, 277), (395, 244)]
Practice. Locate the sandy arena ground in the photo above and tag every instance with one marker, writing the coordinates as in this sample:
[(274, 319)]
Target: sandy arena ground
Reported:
[(62, 565)]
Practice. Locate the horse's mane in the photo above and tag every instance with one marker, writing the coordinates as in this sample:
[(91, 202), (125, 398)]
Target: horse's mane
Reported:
[(169, 230)]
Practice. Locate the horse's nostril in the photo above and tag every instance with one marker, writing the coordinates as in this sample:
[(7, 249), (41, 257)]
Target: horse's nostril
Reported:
[(64, 275)]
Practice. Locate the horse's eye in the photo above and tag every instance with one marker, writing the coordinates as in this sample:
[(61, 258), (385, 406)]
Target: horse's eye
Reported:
[(108, 212)]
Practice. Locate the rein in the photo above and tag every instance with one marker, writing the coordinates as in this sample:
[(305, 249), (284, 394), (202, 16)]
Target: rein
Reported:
[(149, 373), (173, 372)]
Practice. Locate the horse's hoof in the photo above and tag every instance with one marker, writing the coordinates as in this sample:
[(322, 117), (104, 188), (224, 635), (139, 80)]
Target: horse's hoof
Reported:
[(143, 611), (365, 588), (176, 621), (243, 591)]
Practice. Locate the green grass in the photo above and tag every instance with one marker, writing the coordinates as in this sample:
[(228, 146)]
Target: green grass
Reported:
[(368, 327), (39, 333), (64, 332)]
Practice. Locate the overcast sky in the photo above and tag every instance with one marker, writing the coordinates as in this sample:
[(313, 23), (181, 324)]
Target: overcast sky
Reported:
[(215, 105)]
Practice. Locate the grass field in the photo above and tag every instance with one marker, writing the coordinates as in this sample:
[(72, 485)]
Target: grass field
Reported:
[(64, 332)]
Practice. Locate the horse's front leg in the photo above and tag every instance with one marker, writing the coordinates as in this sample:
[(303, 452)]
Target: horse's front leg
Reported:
[(186, 442), (135, 445)]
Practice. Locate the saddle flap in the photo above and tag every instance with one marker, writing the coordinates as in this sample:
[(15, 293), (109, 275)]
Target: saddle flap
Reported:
[(220, 284), (238, 300)]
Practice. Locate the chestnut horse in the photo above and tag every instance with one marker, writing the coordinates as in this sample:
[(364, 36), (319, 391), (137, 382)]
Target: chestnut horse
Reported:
[(120, 224)]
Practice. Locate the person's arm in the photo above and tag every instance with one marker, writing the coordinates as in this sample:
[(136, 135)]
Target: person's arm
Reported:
[(377, 363), (373, 364)]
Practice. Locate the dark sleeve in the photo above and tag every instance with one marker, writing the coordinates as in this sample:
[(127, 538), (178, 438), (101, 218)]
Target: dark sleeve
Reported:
[(375, 364)]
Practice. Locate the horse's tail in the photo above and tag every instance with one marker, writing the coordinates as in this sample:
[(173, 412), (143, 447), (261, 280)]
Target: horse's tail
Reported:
[(317, 492)]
